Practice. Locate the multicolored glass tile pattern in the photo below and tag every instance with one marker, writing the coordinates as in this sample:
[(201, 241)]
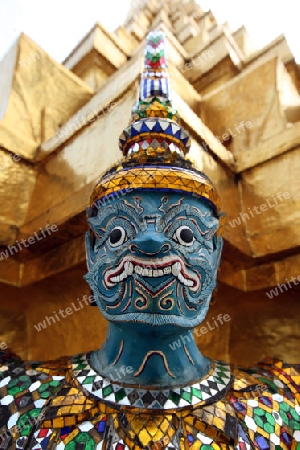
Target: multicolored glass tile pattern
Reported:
[(153, 128), (65, 404), (214, 384), (155, 77), (155, 88), (154, 108), (154, 145)]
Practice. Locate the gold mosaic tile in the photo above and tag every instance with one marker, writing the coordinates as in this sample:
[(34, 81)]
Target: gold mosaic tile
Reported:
[(149, 178)]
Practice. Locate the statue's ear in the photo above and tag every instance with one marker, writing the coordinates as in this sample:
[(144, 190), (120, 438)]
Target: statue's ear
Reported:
[(216, 257), (93, 223), (90, 240), (89, 249)]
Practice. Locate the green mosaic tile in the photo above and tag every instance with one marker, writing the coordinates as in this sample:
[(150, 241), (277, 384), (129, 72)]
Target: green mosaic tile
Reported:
[(187, 396), (43, 390), (269, 428), (82, 441), (88, 380), (222, 375), (120, 395), (218, 380), (295, 425), (45, 394), (78, 359), (284, 407), (295, 415), (196, 393), (259, 422), (81, 366), (174, 397), (271, 385), (14, 391), (286, 412), (17, 385), (270, 419), (24, 425), (26, 422), (107, 390)]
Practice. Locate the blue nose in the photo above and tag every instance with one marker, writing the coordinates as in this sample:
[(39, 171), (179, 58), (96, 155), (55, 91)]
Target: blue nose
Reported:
[(153, 244)]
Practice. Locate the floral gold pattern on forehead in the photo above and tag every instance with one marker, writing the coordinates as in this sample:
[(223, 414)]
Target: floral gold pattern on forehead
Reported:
[(154, 145)]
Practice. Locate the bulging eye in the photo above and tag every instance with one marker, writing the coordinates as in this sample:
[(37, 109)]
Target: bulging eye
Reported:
[(117, 236), (184, 235)]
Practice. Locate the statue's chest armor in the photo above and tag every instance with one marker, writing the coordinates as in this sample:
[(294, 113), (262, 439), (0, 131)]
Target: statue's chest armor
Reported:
[(84, 411)]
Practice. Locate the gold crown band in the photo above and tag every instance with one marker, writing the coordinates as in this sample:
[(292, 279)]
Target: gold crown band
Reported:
[(157, 178)]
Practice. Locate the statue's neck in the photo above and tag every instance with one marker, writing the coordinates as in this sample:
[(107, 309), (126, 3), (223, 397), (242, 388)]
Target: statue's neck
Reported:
[(149, 358)]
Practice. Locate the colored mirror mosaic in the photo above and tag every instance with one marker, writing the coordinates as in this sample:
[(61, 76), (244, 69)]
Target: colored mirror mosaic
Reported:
[(153, 251)]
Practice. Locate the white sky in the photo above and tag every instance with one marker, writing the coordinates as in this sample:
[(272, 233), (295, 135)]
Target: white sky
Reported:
[(58, 25)]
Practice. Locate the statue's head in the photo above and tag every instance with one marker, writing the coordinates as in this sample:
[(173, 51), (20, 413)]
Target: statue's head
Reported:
[(154, 244)]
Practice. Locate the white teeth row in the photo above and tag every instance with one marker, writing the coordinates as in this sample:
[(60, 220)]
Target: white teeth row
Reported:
[(129, 268), (152, 273)]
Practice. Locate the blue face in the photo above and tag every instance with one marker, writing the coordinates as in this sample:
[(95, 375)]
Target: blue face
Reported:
[(154, 258)]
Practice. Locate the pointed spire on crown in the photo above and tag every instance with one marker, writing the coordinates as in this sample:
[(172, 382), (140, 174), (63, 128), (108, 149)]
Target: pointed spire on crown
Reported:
[(155, 86), (154, 112)]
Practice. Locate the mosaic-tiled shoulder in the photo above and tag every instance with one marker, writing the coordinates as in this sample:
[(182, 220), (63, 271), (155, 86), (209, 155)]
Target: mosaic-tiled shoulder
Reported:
[(66, 404)]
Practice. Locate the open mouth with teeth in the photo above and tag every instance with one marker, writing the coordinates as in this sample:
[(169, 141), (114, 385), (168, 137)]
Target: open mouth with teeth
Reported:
[(168, 266)]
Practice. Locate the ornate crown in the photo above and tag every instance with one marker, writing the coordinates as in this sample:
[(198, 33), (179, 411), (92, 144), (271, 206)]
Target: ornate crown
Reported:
[(154, 145)]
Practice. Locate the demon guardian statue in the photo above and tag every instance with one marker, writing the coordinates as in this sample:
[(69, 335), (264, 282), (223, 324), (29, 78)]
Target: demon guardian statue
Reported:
[(153, 252)]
